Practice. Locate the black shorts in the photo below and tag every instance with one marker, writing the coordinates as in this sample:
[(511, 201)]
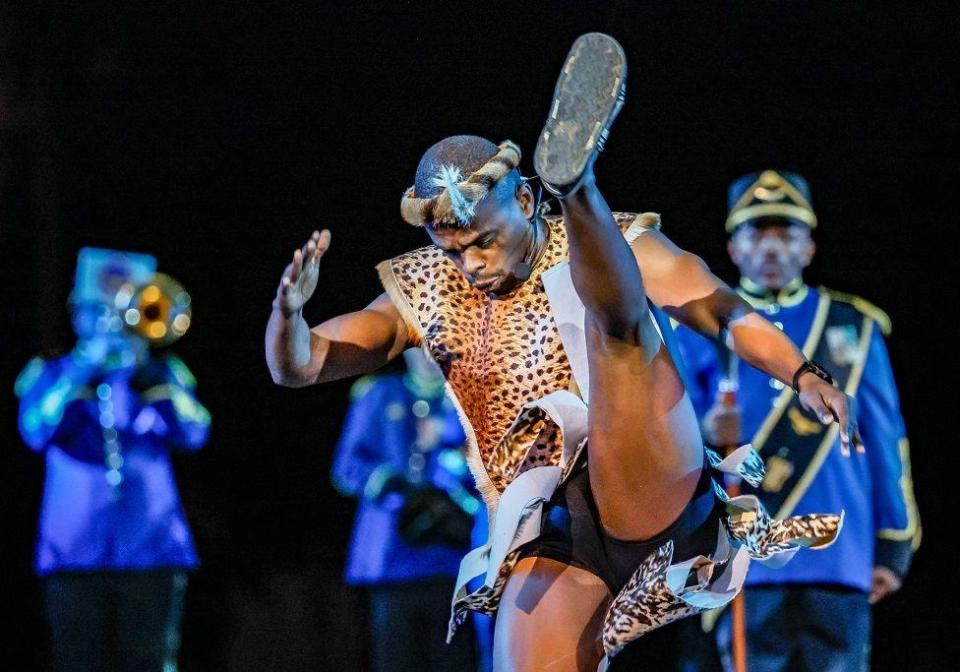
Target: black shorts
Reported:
[(571, 532)]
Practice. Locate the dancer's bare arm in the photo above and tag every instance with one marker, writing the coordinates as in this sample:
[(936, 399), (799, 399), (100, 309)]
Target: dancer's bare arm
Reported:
[(682, 284), (343, 346)]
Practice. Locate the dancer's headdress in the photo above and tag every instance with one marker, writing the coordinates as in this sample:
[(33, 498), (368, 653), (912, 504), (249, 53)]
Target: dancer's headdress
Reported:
[(457, 203)]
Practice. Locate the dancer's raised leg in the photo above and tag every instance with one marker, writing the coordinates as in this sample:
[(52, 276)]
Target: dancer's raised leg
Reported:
[(645, 451)]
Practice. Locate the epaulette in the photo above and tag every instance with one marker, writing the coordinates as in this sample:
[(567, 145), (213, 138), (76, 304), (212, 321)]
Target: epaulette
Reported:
[(865, 307), (29, 376), (361, 387), (180, 372)]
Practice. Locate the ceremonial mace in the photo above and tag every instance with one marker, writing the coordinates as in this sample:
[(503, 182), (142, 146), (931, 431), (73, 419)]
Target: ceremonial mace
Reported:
[(728, 386)]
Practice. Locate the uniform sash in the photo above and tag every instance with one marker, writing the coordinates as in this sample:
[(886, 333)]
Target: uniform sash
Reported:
[(791, 440)]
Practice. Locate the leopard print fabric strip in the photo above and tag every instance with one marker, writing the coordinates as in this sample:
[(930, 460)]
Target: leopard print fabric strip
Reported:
[(648, 601)]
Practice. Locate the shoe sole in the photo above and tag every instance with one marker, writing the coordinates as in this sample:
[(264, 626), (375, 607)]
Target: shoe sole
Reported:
[(587, 98)]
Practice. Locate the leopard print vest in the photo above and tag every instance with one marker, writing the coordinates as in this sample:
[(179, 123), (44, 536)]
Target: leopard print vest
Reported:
[(497, 354)]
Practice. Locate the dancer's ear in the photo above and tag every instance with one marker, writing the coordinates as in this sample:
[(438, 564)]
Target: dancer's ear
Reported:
[(526, 199)]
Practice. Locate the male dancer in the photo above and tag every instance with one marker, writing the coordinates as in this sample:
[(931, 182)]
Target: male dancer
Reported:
[(532, 317)]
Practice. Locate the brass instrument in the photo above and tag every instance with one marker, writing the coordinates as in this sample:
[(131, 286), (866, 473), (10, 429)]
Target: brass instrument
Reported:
[(159, 310)]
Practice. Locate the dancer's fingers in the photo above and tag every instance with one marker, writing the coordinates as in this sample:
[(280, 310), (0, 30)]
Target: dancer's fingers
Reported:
[(323, 242), (297, 265)]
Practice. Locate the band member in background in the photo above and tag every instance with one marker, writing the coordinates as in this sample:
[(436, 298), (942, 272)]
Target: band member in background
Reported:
[(811, 615), (401, 454), (114, 546)]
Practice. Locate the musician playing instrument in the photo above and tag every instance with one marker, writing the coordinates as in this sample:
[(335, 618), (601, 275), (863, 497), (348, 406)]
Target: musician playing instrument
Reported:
[(114, 545)]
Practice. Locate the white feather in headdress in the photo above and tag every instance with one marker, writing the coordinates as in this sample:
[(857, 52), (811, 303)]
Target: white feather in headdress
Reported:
[(449, 178)]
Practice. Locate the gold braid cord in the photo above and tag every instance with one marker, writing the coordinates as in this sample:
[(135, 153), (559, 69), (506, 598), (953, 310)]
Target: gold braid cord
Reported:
[(456, 204)]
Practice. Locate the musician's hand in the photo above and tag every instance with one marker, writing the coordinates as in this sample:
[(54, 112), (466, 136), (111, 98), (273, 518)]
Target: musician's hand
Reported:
[(92, 352), (830, 405), (125, 354), (884, 584), (300, 277), (109, 352), (721, 425)]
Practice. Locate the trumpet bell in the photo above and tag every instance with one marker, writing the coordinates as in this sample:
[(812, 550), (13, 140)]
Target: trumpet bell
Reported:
[(159, 311)]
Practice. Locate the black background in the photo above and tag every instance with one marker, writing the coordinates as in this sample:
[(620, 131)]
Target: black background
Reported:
[(218, 137)]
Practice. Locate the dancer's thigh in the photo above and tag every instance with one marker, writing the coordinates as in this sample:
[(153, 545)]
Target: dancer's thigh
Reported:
[(549, 618), (645, 448)]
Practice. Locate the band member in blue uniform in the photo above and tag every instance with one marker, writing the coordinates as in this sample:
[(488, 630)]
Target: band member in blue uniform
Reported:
[(114, 545), (813, 615), (401, 453)]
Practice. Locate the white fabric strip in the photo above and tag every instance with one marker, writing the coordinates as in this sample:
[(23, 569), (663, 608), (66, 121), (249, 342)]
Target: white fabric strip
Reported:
[(570, 314), (518, 512), (517, 522)]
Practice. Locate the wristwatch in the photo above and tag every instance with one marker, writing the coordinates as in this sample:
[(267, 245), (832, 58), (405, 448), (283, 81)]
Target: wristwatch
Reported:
[(810, 366)]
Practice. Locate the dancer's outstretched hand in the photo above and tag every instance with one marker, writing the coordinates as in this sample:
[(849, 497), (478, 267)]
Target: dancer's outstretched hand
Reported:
[(299, 279), (831, 405)]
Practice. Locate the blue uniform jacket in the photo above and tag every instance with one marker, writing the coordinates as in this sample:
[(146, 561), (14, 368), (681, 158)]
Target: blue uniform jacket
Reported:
[(87, 524), (380, 428), (875, 489)]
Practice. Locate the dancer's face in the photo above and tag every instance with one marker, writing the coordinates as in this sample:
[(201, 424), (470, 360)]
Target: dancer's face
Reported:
[(488, 251), (771, 255)]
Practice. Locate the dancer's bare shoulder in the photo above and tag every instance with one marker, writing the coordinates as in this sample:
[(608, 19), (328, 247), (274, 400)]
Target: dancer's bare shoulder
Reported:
[(671, 275)]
